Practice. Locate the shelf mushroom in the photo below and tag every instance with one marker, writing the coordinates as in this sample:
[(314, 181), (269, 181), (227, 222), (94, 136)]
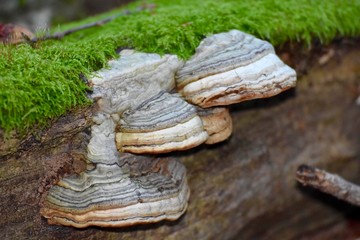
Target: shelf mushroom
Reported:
[(233, 67), (140, 112), (163, 123), (217, 123), (143, 190)]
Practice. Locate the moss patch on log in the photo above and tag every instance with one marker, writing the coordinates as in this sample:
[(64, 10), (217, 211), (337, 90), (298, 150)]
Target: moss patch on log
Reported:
[(42, 82)]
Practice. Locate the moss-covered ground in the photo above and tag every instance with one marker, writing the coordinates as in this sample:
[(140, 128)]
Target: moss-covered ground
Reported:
[(41, 82)]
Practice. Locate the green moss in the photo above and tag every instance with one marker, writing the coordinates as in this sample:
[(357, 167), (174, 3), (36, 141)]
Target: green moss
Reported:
[(40, 83)]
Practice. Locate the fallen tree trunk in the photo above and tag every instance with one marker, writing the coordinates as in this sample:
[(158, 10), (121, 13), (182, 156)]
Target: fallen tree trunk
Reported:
[(242, 188)]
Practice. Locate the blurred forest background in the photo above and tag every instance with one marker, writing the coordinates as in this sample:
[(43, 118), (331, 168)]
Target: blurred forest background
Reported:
[(38, 15)]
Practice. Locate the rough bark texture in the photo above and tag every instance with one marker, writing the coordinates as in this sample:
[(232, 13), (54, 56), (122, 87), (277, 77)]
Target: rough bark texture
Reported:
[(244, 188)]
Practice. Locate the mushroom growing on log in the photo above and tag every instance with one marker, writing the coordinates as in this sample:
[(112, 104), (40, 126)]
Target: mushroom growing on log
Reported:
[(161, 124), (217, 123), (140, 190), (140, 113), (233, 67)]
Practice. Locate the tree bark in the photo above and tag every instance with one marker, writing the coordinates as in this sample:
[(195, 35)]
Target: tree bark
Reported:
[(243, 188)]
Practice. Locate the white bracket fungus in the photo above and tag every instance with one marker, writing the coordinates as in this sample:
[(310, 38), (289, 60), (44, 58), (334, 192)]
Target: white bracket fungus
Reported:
[(233, 67), (139, 112)]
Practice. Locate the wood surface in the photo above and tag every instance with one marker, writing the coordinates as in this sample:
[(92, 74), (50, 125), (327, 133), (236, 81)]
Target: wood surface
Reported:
[(243, 188)]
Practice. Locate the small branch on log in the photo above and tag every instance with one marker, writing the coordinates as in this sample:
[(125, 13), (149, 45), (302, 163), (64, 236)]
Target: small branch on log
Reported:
[(329, 183), (60, 35)]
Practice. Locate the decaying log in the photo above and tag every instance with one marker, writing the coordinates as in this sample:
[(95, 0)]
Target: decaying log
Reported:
[(242, 188)]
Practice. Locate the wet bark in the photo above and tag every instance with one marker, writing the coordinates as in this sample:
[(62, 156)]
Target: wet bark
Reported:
[(243, 188)]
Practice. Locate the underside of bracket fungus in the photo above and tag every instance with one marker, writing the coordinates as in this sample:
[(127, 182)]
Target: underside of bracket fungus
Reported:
[(140, 112)]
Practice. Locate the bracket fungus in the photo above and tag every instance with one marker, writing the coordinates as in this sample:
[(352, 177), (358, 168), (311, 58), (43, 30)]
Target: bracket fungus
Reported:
[(217, 123), (233, 67), (141, 112), (132, 79), (161, 124), (140, 190)]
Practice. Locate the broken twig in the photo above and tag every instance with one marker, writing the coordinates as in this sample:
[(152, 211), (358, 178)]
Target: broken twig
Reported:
[(60, 35), (329, 183)]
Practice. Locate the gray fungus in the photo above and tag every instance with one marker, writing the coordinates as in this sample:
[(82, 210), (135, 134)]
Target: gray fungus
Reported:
[(151, 104)]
